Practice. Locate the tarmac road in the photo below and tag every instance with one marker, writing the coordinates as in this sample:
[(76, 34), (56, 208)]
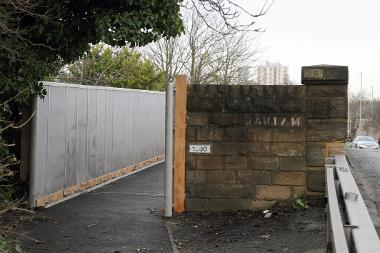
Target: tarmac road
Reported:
[(366, 160), (366, 170), (124, 216)]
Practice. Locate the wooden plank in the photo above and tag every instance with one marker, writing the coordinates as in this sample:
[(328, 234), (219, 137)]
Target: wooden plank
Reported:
[(179, 143)]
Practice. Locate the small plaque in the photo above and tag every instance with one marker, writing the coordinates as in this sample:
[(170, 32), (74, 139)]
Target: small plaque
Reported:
[(325, 74), (313, 73), (200, 148)]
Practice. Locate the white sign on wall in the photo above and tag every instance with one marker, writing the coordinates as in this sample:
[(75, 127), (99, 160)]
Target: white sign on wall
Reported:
[(200, 148)]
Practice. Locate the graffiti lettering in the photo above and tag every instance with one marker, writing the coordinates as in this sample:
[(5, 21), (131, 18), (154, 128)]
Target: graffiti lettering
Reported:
[(274, 121)]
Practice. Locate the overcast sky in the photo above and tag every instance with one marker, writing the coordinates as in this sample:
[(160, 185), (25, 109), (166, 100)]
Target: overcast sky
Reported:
[(310, 32)]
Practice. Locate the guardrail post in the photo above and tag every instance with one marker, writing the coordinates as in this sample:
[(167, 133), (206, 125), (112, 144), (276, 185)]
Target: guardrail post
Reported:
[(350, 229)]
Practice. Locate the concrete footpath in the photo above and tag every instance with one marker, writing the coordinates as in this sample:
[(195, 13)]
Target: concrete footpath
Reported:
[(124, 216)]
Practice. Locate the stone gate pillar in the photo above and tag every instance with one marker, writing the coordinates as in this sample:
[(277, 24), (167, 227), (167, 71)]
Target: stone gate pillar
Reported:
[(326, 118)]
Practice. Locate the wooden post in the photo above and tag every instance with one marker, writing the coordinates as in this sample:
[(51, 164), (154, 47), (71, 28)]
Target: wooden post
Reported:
[(25, 144), (180, 143)]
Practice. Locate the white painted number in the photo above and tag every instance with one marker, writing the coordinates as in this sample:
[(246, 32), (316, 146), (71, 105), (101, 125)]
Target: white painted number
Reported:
[(200, 149)]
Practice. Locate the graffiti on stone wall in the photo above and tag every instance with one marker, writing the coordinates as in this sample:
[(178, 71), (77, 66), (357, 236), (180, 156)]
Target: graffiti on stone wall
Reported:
[(275, 120)]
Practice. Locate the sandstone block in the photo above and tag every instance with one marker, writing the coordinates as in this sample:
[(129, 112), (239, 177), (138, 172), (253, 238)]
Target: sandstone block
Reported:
[(299, 191), (288, 178), (262, 204), (197, 119), (263, 163), (317, 108), (289, 135), (235, 191), (210, 163), (292, 163), (201, 190), (191, 162), (315, 154), (273, 192), (207, 91), (338, 107), (235, 91), (238, 134), (227, 119), (315, 179), (201, 91), (326, 91), (288, 149), (295, 91), (280, 91), (199, 104), (191, 133), (225, 148), (191, 91), (196, 205), (228, 205), (223, 90), (269, 91), (221, 177), (264, 134), (196, 176), (292, 105), (257, 91), (254, 177), (256, 148), (326, 130), (246, 90), (210, 134), (235, 163), (265, 105), (240, 105)]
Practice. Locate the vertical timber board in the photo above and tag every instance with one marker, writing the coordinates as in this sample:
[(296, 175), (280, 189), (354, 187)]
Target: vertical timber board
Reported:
[(179, 145)]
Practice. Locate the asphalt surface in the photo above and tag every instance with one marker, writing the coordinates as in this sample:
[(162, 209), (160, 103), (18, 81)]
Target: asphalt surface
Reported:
[(124, 216), (366, 171)]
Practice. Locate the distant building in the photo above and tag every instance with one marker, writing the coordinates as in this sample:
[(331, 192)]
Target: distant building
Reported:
[(272, 74)]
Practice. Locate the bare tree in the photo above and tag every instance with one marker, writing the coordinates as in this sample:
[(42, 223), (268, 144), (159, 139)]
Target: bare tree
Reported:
[(204, 49), (237, 59), (13, 15), (204, 54), (354, 113), (229, 12), (167, 55)]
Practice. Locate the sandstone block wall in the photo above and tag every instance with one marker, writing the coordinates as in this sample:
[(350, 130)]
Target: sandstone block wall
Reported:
[(267, 143)]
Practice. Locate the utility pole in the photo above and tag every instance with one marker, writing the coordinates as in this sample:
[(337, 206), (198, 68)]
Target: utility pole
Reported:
[(348, 119), (372, 114), (360, 103)]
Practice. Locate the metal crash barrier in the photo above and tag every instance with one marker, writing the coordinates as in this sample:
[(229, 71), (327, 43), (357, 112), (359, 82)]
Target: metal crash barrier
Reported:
[(350, 228)]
